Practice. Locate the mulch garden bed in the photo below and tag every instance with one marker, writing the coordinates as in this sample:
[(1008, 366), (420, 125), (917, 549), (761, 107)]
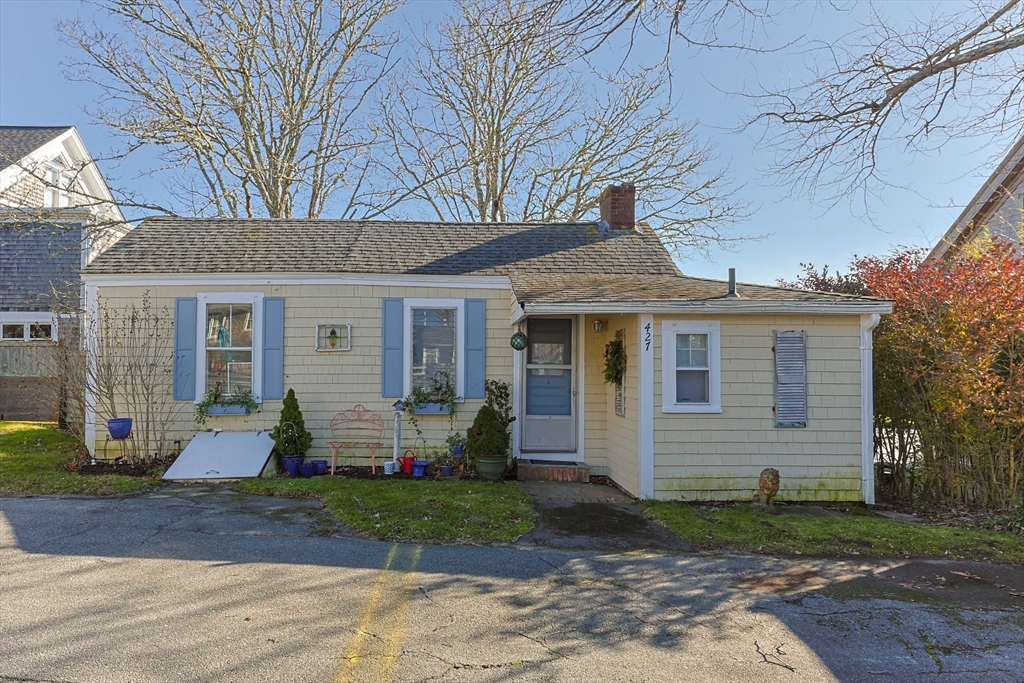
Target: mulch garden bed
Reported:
[(433, 472), (127, 469)]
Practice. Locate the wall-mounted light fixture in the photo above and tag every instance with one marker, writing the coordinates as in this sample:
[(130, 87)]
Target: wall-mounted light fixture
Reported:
[(599, 325)]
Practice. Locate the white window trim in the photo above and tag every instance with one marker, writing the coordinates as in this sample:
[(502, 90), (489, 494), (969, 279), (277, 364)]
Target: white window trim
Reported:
[(254, 298), (27, 319), (460, 332), (670, 329)]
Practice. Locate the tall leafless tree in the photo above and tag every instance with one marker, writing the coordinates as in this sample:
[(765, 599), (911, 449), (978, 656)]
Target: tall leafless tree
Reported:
[(261, 101), (497, 119)]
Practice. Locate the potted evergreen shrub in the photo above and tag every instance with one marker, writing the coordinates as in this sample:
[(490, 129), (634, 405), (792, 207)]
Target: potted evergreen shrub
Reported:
[(487, 442), (291, 439)]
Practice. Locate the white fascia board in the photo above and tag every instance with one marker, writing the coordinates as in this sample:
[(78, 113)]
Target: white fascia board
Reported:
[(69, 145), (716, 307), (212, 280)]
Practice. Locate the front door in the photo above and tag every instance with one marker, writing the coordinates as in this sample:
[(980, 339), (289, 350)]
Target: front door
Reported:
[(549, 410)]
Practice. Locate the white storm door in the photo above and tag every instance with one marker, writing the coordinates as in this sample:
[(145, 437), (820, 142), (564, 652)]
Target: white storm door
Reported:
[(549, 396)]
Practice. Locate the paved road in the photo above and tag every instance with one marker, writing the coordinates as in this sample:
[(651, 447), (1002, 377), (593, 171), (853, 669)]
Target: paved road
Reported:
[(198, 584)]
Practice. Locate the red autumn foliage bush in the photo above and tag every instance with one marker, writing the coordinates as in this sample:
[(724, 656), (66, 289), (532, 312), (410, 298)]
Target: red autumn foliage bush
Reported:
[(948, 372), (951, 359)]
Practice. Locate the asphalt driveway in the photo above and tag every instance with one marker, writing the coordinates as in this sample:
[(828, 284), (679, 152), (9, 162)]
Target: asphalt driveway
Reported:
[(200, 584)]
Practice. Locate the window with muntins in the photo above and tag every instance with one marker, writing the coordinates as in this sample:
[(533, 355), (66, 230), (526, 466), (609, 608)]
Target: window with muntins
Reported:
[(434, 340), (28, 330), (57, 185), (691, 366), (229, 347)]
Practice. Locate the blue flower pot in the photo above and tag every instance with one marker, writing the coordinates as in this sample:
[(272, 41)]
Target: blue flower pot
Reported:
[(307, 469), (320, 465), (119, 427), (447, 470), (291, 467), (419, 467)]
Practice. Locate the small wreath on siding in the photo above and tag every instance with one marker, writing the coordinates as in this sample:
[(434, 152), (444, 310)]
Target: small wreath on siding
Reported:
[(615, 359)]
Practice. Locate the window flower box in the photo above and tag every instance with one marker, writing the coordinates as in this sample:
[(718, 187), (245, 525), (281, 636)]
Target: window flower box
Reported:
[(219, 410), (432, 409)]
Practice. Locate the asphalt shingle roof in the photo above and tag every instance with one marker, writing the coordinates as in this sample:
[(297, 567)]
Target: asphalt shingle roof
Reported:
[(546, 263), (17, 142)]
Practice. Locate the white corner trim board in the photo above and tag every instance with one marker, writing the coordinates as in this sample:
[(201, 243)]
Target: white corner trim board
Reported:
[(867, 428), (92, 309), (645, 416)]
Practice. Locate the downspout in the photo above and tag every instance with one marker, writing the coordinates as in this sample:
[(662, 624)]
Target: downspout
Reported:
[(867, 407)]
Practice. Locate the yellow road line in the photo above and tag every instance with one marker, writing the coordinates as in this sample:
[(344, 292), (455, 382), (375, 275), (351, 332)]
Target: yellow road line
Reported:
[(372, 654)]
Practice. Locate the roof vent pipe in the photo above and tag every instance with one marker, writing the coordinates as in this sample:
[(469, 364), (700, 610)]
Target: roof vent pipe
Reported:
[(732, 284)]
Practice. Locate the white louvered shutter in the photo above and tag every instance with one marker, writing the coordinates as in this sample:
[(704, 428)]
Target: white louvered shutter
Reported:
[(791, 379)]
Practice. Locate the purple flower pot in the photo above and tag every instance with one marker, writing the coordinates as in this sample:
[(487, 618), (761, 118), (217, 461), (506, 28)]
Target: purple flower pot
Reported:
[(307, 469)]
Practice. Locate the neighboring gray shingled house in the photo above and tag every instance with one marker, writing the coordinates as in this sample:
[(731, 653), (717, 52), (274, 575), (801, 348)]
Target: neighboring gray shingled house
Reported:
[(996, 209), (720, 382), (56, 215)]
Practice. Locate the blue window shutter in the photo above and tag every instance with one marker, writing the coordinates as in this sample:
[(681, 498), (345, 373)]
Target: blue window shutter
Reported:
[(476, 347), (185, 348), (392, 359), (273, 347)]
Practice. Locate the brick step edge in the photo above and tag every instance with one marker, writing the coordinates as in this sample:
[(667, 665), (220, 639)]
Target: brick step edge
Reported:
[(552, 473)]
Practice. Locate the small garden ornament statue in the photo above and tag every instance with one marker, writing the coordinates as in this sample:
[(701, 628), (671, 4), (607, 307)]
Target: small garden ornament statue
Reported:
[(768, 485)]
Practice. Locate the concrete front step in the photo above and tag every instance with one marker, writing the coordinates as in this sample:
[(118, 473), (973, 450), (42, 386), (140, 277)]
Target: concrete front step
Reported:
[(552, 470)]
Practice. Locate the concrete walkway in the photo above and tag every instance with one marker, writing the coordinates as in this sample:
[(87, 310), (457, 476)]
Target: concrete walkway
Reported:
[(573, 492), (592, 516)]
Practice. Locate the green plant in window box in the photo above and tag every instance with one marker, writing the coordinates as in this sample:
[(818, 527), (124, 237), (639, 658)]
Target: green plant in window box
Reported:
[(214, 397), (615, 359), (437, 398)]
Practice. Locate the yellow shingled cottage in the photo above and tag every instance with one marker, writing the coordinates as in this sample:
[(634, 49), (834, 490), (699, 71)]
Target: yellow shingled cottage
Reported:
[(721, 379)]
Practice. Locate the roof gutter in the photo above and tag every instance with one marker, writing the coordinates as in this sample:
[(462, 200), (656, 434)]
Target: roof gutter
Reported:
[(732, 307)]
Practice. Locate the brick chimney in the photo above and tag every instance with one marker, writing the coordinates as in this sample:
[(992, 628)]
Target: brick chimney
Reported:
[(618, 206)]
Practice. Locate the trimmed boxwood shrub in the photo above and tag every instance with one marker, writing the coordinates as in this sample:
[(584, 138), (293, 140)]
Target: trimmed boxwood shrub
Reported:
[(488, 435), (287, 441)]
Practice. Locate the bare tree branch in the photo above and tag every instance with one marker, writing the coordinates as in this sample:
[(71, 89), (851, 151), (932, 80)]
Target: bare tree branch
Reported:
[(261, 102), (954, 75), (495, 120)]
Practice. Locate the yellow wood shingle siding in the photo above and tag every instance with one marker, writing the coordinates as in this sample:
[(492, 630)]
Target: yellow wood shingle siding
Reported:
[(720, 456), (611, 440), (328, 382)]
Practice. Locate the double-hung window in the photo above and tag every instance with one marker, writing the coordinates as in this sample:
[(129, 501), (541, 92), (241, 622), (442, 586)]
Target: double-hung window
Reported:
[(229, 343), (56, 186), (434, 334), (691, 367)]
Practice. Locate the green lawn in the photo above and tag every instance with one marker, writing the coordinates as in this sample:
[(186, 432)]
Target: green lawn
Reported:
[(744, 527), (404, 510), (32, 457)]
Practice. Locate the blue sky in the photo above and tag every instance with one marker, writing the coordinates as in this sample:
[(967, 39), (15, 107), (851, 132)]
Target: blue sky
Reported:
[(33, 91)]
